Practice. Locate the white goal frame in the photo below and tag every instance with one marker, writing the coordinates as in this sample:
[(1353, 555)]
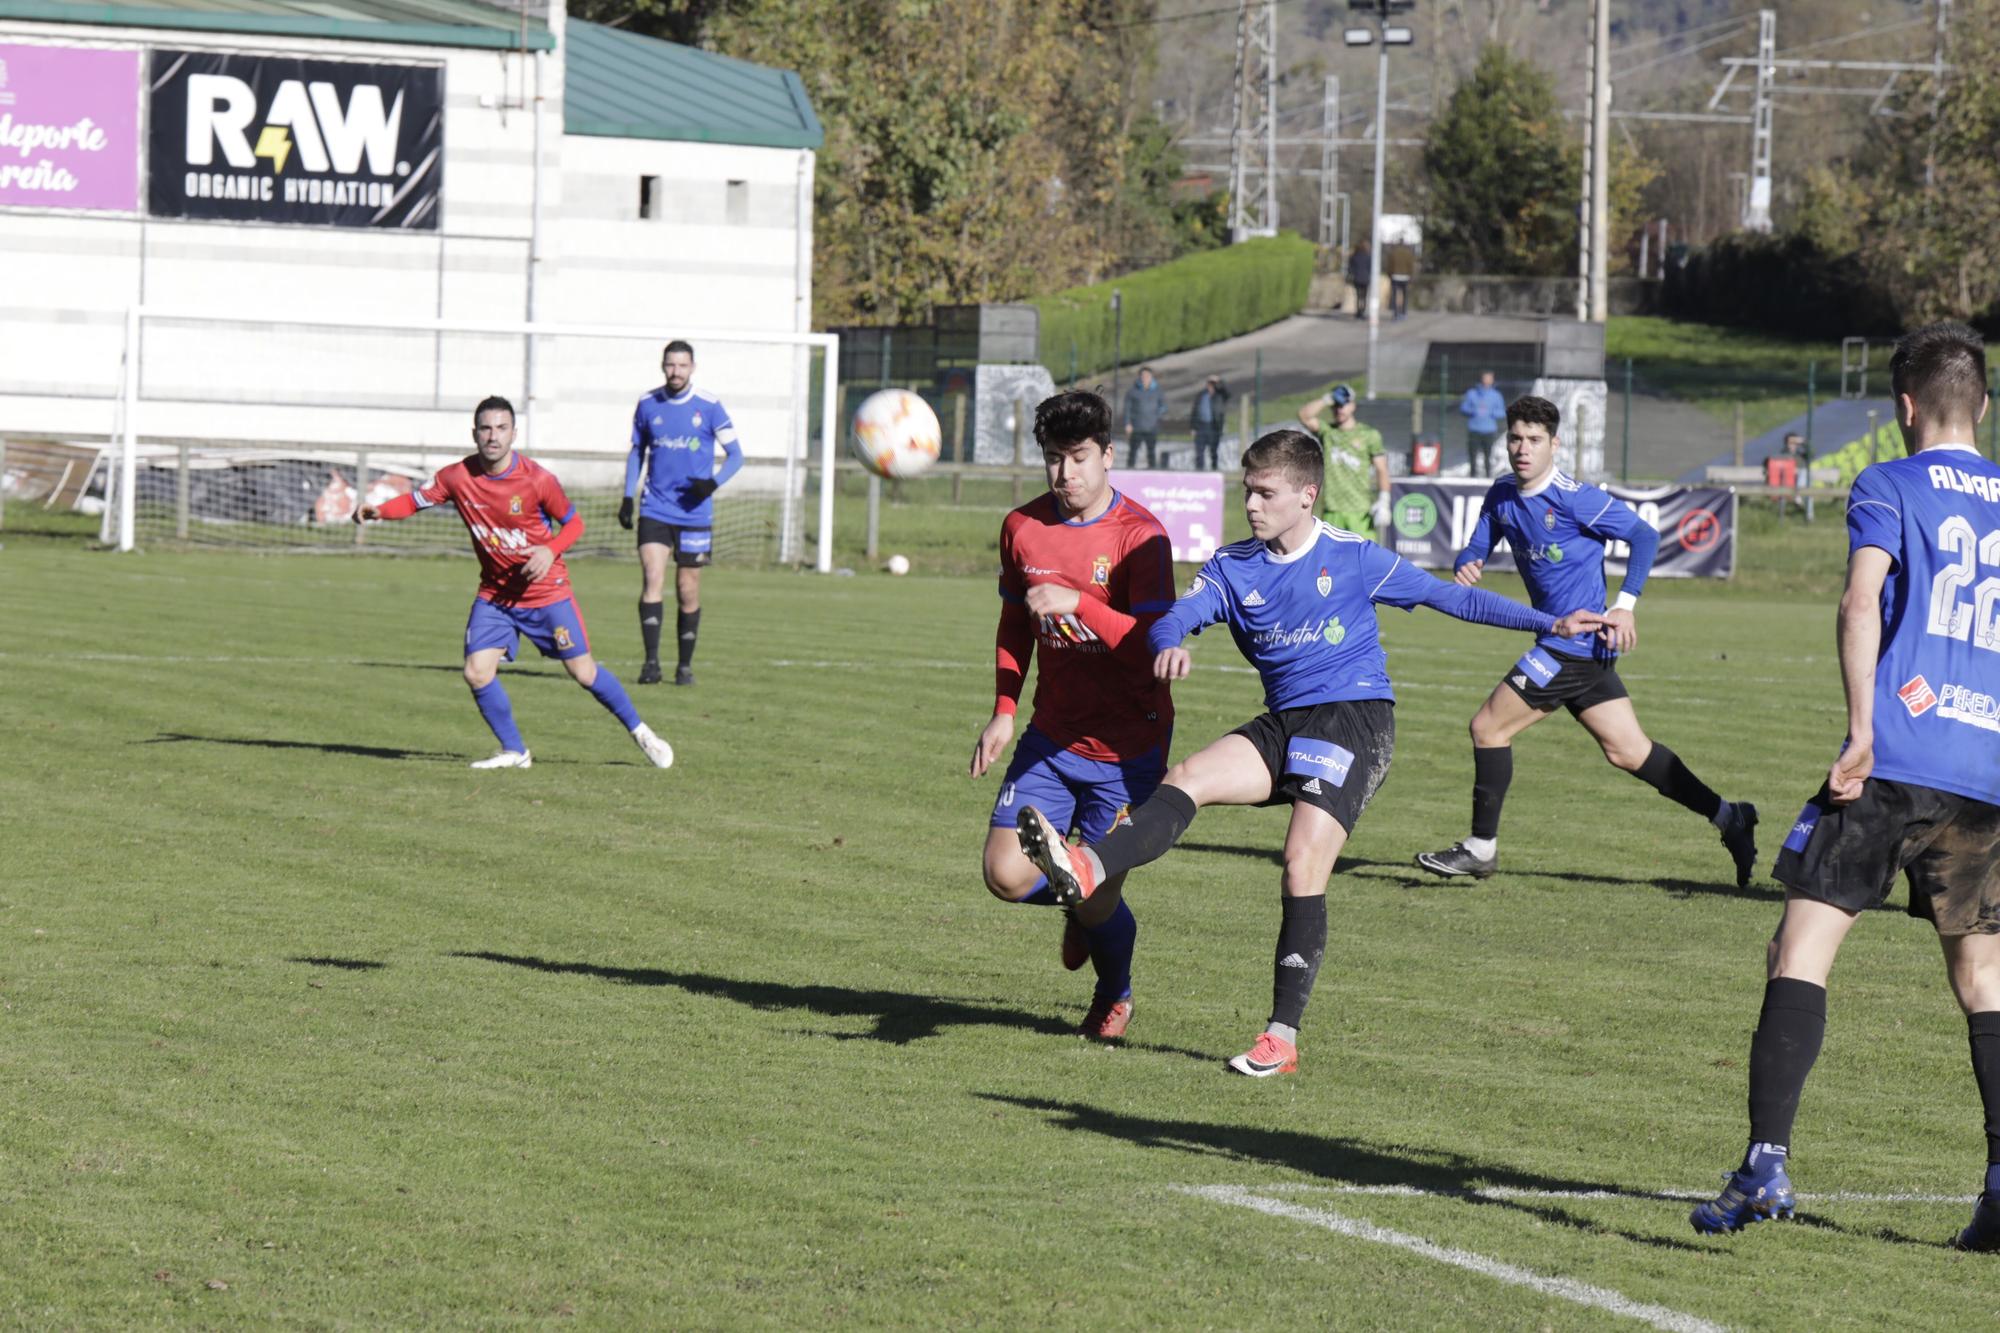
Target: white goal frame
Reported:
[(132, 406)]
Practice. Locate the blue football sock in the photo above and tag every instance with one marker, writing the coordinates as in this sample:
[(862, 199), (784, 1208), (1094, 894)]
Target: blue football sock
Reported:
[(498, 710), (1111, 947), (1992, 1178), (607, 691)]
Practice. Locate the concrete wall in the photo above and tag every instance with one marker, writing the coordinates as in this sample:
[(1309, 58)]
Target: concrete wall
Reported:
[(717, 257)]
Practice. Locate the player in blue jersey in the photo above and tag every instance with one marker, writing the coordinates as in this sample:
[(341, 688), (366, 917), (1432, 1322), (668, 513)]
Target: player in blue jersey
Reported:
[(1916, 789), (1299, 598), (676, 431), (1557, 528)]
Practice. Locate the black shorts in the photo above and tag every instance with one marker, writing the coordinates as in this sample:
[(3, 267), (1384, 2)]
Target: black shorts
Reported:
[(1333, 755), (692, 546), (1545, 679), (1850, 855)]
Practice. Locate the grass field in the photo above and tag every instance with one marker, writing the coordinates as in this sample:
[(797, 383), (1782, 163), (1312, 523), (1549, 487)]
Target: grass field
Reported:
[(301, 1022)]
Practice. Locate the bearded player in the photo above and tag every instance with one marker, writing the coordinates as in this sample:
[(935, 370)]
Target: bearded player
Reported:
[(1084, 570), (521, 523)]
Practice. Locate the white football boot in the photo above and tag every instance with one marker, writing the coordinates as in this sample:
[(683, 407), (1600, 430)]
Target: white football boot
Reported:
[(654, 746), (507, 759)]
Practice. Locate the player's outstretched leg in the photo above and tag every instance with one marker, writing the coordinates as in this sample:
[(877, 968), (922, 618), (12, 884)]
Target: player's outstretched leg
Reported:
[(1073, 873), (604, 688), (1616, 727)]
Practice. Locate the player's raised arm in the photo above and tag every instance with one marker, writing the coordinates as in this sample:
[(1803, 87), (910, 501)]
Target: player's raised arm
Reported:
[(1146, 585), (435, 491), (1397, 583)]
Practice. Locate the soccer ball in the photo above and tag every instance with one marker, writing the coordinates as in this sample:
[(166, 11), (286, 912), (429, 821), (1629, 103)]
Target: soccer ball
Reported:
[(895, 434), (898, 565)]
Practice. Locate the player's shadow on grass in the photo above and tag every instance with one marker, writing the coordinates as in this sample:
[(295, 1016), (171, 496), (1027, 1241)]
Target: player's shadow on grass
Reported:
[(1275, 856), (323, 747), (344, 964), (458, 668), (1413, 878), (900, 1017), (1356, 1162)]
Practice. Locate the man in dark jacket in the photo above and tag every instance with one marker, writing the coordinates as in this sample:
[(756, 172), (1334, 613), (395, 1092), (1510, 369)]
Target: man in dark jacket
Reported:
[(1145, 408), (1206, 418), (1358, 264)]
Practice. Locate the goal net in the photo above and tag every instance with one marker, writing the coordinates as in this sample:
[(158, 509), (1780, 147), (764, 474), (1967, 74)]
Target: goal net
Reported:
[(266, 433)]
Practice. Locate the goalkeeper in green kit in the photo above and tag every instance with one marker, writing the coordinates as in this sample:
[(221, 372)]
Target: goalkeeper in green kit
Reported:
[(1356, 494)]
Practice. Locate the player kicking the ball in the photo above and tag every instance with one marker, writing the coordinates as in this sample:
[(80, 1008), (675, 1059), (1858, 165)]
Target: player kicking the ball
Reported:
[(1557, 527), (1299, 599), (1084, 571), (521, 523), (1916, 789)]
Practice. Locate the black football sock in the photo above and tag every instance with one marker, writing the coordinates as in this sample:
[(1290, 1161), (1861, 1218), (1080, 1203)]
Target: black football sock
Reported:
[(1984, 1029), (1492, 770), (1664, 772), (688, 624), (1156, 826), (650, 616), (1295, 966), (1789, 1031)]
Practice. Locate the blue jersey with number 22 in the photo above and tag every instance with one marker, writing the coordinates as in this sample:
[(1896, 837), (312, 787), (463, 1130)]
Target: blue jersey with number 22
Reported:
[(1937, 680)]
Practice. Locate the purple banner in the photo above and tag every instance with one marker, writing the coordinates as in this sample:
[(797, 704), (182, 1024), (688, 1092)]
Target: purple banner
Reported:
[(1188, 505), (69, 128)]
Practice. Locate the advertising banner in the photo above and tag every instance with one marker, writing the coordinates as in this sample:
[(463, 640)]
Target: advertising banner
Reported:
[(1430, 520), (69, 128), (1188, 505), (276, 139)]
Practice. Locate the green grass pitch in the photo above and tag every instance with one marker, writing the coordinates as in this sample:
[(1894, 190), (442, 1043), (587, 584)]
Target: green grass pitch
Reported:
[(303, 1023)]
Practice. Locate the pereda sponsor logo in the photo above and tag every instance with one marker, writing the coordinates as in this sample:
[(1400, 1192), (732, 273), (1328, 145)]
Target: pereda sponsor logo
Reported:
[(1967, 705), (305, 126)]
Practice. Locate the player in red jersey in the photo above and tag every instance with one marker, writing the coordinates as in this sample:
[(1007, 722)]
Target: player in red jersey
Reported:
[(1083, 571), (521, 523)]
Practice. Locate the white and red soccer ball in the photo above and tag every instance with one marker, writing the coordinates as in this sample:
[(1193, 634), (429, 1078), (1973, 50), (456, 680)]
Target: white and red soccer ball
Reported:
[(895, 434)]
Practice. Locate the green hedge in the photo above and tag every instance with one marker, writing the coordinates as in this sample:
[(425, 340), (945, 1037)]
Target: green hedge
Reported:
[(1187, 302)]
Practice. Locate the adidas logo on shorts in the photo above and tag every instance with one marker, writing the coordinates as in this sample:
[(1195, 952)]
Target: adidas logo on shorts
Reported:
[(1312, 785), (1520, 682), (1254, 599)]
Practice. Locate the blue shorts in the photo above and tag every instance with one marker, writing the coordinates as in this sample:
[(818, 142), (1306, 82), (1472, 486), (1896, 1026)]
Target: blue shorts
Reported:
[(556, 629), (1089, 794)]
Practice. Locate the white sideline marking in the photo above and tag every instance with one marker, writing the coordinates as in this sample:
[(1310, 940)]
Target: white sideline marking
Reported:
[(1562, 1288), (1511, 1192)]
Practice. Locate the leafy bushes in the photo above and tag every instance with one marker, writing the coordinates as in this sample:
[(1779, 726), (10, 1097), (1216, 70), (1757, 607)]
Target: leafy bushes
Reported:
[(1783, 283), (1186, 302)]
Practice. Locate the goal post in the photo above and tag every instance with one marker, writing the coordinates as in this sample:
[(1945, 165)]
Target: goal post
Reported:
[(264, 432)]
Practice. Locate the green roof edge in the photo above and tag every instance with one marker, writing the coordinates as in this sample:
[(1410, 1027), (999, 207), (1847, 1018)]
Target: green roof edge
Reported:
[(358, 30), (606, 129)]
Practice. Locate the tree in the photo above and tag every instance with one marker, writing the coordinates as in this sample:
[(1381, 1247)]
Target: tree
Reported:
[(1936, 246), (1504, 174), (975, 149)]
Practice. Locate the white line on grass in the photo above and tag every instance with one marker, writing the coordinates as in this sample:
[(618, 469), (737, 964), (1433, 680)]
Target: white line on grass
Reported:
[(1562, 1288), (1654, 1196)]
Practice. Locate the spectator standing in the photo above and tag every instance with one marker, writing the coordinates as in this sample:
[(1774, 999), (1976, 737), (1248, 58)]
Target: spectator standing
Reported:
[(1402, 266), (1206, 418), (1358, 264), (1145, 408), (1485, 413)]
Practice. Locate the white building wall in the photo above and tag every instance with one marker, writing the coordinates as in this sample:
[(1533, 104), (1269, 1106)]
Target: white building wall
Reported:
[(715, 256)]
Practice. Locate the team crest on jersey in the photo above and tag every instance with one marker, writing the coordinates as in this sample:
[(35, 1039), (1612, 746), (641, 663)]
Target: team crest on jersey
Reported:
[(1549, 519), (1195, 585), (514, 505), (563, 641), (697, 418), (1325, 584), (1917, 696), (1100, 571)]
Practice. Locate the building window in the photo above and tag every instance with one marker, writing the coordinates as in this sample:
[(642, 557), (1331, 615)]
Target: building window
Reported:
[(649, 197), (736, 203)]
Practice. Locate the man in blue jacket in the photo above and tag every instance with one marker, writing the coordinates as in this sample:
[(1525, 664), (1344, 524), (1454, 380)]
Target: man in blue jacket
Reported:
[(1485, 413)]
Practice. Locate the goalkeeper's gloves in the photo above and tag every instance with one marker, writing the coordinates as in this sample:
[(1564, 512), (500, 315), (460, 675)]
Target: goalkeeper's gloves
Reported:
[(700, 489), (625, 513), (1380, 513)]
